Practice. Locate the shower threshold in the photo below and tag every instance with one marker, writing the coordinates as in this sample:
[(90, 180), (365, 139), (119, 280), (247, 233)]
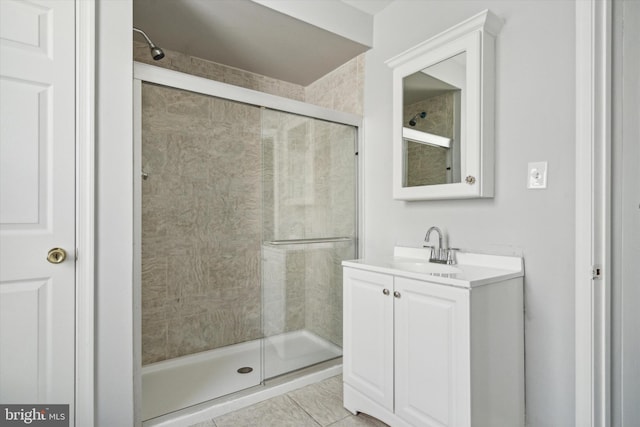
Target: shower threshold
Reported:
[(175, 384)]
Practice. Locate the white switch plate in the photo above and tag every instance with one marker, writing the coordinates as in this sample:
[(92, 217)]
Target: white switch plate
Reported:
[(537, 175)]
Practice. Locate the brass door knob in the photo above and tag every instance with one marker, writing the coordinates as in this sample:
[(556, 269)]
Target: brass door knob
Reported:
[(56, 255)]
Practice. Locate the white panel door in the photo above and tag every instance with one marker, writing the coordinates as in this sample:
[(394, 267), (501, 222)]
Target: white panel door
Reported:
[(368, 334), (37, 180), (432, 354)]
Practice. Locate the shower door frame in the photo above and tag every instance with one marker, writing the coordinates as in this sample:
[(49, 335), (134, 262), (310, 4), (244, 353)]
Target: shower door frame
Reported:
[(175, 79)]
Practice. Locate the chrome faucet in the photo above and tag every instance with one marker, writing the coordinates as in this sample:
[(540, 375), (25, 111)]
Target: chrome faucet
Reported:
[(436, 254), (441, 255)]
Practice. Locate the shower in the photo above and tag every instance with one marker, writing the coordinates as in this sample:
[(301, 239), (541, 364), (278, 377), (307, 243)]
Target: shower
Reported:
[(156, 52), (248, 210), (421, 115)]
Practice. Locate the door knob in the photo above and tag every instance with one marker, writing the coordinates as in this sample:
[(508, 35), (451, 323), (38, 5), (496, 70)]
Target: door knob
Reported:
[(396, 294), (56, 255), (385, 291)]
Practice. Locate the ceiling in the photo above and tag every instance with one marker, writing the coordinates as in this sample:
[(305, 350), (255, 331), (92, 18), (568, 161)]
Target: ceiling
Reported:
[(247, 35), (420, 86), (442, 77), (369, 6)]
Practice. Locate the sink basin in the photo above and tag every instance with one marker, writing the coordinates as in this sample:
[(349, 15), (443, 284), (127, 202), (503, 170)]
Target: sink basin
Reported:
[(470, 270), (426, 267)]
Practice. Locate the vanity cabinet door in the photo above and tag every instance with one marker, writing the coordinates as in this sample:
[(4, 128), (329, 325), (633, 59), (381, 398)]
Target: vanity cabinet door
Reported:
[(432, 370), (368, 334)]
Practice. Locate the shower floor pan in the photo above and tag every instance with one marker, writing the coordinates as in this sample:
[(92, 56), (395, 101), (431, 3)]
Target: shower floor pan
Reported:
[(178, 383)]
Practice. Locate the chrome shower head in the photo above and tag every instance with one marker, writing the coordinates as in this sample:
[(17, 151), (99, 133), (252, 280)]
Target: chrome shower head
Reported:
[(421, 115), (156, 52)]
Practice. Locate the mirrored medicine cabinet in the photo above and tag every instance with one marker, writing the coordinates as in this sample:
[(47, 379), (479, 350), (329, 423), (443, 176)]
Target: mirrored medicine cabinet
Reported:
[(443, 96)]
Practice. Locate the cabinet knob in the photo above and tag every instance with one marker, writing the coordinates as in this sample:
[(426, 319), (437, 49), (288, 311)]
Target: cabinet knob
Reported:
[(396, 294), (385, 291)]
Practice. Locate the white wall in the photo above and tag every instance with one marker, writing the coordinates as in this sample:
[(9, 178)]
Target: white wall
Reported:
[(535, 121), (114, 207)]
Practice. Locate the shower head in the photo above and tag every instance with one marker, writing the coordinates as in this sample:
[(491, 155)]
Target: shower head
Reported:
[(420, 115), (156, 52)]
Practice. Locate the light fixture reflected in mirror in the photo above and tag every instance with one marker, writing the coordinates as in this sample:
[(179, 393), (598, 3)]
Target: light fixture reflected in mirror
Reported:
[(425, 138)]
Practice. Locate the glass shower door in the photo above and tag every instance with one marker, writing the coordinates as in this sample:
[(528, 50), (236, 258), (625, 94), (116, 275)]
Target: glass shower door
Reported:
[(200, 207), (309, 227)]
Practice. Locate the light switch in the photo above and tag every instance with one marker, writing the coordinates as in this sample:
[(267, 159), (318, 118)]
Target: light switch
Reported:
[(537, 177)]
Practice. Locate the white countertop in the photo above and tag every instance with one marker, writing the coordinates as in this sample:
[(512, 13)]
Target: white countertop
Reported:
[(471, 270)]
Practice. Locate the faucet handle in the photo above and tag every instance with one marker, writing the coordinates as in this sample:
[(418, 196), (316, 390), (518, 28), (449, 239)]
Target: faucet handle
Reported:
[(451, 255), (432, 255)]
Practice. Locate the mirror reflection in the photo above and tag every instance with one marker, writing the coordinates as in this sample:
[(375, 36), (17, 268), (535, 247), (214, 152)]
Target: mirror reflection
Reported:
[(433, 110)]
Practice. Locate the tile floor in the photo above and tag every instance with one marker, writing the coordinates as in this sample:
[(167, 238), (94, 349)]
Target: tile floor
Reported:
[(315, 405)]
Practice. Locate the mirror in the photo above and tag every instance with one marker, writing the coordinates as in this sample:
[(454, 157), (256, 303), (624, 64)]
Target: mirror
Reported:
[(443, 114), (433, 103)]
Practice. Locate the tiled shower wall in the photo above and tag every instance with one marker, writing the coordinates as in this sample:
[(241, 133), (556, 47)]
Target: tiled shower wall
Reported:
[(201, 223), (340, 90), (202, 292)]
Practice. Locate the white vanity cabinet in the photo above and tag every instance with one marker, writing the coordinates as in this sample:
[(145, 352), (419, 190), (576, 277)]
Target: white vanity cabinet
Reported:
[(422, 353)]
